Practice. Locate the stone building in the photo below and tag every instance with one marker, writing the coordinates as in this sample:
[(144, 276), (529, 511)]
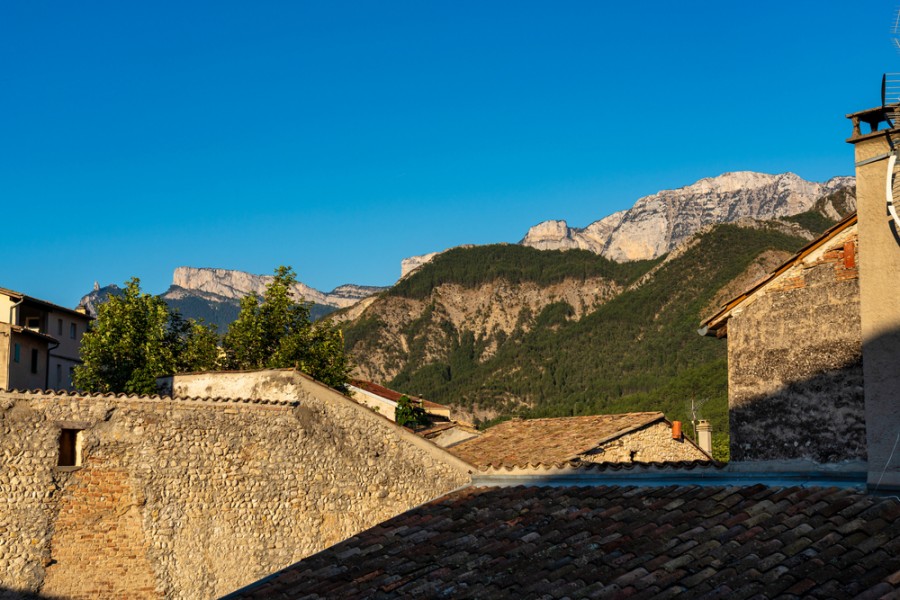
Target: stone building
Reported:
[(625, 438), (795, 377), (152, 497), (813, 348)]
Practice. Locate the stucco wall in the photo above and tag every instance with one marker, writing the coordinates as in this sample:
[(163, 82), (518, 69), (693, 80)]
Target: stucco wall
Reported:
[(794, 363), (652, 443), (5, 349), (190, 498), (6, 304), (382, 406), (68, 348), (20, 375), (880, 310)]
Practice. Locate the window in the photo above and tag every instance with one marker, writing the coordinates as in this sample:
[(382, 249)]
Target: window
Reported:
[(59, 382), (73, 330), (34, 360), (33, 323), (17, 353), (70, 448), (59, 327)]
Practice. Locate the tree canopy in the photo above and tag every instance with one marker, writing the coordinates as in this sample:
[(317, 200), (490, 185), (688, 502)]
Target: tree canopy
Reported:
[(274, 331), (411, 414), (135, 339)]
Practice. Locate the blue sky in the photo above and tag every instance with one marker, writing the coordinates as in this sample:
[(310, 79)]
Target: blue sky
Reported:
[(341, 137)]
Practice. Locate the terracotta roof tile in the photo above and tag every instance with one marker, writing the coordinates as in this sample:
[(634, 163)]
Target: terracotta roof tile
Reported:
[(535, 442), (611, 541)]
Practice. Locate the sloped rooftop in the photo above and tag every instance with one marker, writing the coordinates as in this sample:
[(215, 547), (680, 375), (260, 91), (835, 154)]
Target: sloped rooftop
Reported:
[(614, 542), (547, 441), (394, 396), (715, 325)]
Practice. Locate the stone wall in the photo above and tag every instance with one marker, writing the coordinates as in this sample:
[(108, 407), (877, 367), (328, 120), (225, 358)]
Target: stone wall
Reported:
[(652, 443), (186, 498), (794, 363)]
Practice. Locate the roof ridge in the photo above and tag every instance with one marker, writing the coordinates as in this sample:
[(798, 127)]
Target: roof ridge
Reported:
[(169, 398)]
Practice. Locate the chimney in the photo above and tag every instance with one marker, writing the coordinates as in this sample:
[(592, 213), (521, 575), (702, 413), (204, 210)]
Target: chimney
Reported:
[(676, 430), (704, 436), (879, 289)]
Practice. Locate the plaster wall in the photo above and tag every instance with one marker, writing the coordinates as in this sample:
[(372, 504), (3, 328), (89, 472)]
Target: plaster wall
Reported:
[(193, 498), (6, 304), (60, 373), (652, 443), (381, 405), (794, 363), (69, 347), (5, 349), (880, 311), (20, 375)]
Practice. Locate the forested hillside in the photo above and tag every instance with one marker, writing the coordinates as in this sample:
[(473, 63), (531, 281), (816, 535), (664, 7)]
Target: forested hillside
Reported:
[(638, 349)]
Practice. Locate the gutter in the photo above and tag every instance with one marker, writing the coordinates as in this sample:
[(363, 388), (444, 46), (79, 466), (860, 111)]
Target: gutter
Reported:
[(668, 477), (12, 308)]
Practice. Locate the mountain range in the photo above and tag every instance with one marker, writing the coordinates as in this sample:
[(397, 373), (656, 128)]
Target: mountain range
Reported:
[(505, 330), (214, 294), (658, 223), (570, 320)]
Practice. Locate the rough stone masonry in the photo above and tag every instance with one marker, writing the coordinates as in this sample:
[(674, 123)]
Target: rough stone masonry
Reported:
[(191, 498)]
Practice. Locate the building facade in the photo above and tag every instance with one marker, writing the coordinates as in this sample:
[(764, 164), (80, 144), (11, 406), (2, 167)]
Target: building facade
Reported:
[(795, 376), (39, 342)]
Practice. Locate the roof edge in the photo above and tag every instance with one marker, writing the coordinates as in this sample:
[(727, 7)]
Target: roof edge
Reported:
[(711, 325)]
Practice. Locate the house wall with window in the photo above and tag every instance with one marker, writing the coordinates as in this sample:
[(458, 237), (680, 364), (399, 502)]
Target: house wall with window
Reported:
[(67, 329), (60, 332), (23, 358)]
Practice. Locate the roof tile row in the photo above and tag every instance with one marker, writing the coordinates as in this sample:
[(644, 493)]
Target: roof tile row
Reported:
[(609, 541), (217, 399)]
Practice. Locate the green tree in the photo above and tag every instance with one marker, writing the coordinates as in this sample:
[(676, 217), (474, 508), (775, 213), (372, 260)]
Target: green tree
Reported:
[(274, 331), (134, 340), (410, 414), (195, 344)]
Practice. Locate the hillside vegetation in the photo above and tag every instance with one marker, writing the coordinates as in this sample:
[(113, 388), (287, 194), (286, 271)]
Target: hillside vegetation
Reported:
[(479, 265), (637, 351)]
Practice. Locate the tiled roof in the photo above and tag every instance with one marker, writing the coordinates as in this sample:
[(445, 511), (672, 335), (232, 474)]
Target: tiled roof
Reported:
[(392, 395), (547, 441), (615, 542)]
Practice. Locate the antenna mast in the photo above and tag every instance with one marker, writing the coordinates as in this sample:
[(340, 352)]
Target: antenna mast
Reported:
[(695, 407)]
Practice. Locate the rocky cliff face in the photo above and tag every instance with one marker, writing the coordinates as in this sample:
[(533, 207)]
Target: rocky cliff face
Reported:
[(234, 285), (658, 223), (408, 265), (97, 296), (490, 312)]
